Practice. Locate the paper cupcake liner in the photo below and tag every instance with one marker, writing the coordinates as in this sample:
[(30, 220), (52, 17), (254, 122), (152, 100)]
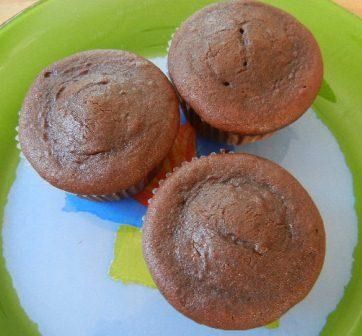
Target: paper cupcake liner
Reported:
[(135, 189), (21, 154), (120, 194), (215, 134), (103, 198)]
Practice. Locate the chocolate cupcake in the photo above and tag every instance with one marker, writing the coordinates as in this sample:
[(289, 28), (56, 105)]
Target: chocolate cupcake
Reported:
[(244, 70), (233, 241), (99, 123)]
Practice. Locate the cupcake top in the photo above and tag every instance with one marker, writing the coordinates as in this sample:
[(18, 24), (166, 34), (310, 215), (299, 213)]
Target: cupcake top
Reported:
[(233, 241), (98, 122), (245, 67)]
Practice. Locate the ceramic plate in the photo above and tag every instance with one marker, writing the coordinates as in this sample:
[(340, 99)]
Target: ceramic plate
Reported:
[(74, 267)]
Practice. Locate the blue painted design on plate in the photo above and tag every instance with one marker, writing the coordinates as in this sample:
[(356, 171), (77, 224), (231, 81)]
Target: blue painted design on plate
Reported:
[(127, 210)]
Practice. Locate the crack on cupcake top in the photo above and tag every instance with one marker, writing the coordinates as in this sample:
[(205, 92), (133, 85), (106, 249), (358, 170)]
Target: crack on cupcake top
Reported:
[(237, 215)]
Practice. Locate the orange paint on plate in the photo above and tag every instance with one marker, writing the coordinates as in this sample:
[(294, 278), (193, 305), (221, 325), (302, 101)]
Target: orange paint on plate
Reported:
[(184, 149)]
